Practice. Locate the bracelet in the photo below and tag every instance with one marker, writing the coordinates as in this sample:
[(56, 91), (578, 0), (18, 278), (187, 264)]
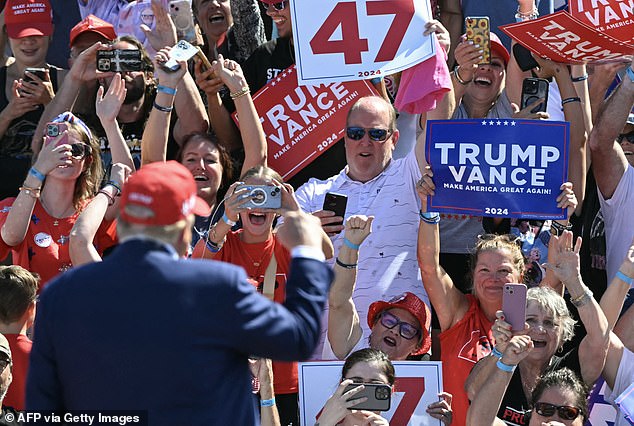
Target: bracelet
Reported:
[(115, 185), (165, 89), (228, 221), (244, 91), (429, 217), (350, 244), (31, 192), (267, 402), (345, 265), (212, 247), (630, 74), (162, 108), (505, 367), (620, 275), (557, 228), (495, 352), (579, 301), (460, 80), (110, 197), (580, 78), (526, 16), (569, 100), (35, 172)]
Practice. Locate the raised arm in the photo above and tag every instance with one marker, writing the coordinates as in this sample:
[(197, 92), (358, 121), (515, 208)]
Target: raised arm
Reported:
[(448, 302), (608, 159), (612, 300), (594, 346), (344, 330)]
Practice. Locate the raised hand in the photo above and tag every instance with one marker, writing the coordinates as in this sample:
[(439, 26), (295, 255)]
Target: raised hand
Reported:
[(164, 34), (517, 349), (567, 199), (166, 77), (564, 259), (107, 106), (425, 187), (358, 227), (39, 91), (340, 403)]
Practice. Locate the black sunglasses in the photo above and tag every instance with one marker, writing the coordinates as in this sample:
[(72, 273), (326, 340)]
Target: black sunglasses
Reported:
[(405, 329), (566, 412), (79, 150), (376, 135), (277, 6), (627, 136)]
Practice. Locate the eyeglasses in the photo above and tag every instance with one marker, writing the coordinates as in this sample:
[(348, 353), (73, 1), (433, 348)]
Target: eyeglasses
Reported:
[(627, 136), (548, 324), (3, 364), (566, 412), (79, 150), (405, 329), (376, 135), (277, 6)]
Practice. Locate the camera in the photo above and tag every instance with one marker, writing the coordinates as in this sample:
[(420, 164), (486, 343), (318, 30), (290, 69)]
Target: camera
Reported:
[(262, 196), (119, 60)]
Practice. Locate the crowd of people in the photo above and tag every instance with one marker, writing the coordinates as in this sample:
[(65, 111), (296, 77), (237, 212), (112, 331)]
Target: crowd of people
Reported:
[(127, 195)]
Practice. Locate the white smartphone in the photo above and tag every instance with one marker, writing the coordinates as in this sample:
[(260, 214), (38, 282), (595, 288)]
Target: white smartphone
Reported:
[(183, 51)]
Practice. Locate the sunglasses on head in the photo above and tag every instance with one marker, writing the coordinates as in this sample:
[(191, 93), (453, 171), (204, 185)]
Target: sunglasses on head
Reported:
[(277, 6), (376, 135), (79, 150), (627, 136), (405, 329), (566, 412)]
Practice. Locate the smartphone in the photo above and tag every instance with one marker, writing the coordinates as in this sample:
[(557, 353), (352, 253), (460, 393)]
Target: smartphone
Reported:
[(524, 58), (479, 32), (205, 62), (532, 90), (183, 51), (119, 60), (262, 196), (336, 203), (514, 305), (379, 396), (53, 130), (39, 72)]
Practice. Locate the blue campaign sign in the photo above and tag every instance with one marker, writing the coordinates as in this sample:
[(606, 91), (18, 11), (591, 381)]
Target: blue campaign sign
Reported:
[(498, 167)]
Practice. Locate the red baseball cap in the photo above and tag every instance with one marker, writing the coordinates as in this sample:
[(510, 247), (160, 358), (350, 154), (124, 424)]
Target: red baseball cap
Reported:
[(411, 303), (498, 47), (92, 24), (161, 194), (25, 18)]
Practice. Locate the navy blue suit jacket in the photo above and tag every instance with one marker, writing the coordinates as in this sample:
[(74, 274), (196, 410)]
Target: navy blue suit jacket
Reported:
[(143, 330)]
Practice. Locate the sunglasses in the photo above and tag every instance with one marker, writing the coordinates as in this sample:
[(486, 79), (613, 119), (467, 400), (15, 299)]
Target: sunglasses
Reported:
[(627, 136), (376, 135), (79, 150), (566, 412), (3, 364), (405, 329), (277, 6)]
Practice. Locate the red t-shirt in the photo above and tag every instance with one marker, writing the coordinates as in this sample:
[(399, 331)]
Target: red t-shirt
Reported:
[(255, 258), (460, 348), (45, 246), (20, 350)]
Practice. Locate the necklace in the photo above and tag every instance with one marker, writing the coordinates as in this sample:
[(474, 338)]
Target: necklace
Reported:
[(267, 253)]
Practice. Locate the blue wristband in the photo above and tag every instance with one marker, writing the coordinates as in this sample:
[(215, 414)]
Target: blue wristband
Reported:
[(350, 244), (267, 402), (629, 280), (496, 353), (228, 221), (630, 74), (167, 90), (35, 172), (504, 367)]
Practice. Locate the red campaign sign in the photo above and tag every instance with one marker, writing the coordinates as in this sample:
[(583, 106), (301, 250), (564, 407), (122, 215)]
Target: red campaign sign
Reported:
[(303, 122), (562, 38), (612, 17)]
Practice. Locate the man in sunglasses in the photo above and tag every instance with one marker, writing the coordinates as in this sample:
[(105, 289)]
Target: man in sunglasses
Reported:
[(376, 185), (611, 143)]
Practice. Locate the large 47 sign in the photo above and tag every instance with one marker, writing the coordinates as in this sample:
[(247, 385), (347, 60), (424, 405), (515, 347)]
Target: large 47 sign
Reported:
[(353, 40)]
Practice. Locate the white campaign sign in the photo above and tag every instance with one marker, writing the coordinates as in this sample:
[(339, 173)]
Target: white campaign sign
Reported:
[(417, 385), (358, 39)]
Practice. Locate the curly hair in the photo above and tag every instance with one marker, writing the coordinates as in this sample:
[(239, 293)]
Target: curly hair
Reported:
[(548, 300)]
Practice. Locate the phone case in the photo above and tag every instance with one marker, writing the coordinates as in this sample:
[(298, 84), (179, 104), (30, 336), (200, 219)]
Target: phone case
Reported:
[(514, 305), (379, 396), (532, 90), (478, 31), (39, 72), (336, 203)]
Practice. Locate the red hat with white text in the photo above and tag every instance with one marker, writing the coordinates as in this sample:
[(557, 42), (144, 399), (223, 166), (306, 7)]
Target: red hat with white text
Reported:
[(25, 18)]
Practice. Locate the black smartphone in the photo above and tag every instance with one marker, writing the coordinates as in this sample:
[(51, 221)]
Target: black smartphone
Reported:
[(534, 89), (524, 58), (379, 396), (39, 72), (119, 60), (335, 203)]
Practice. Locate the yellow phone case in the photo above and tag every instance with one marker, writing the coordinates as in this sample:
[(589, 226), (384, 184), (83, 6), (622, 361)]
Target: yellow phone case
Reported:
[(478, 31)]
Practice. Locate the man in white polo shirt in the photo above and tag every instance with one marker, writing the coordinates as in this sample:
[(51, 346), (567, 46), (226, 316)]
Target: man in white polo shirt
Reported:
[(376, 185)]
